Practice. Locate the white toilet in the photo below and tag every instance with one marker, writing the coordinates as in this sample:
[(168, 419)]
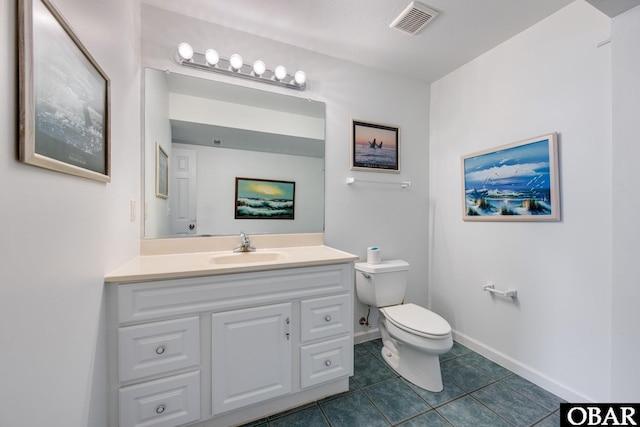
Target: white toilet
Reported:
[(413, 337)]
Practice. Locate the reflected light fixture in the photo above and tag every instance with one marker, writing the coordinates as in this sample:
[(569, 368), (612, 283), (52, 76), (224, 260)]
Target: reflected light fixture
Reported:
[(235, 66)]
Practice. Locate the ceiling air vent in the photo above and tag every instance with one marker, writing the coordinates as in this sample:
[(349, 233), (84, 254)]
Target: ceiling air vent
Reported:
[(414, 18)]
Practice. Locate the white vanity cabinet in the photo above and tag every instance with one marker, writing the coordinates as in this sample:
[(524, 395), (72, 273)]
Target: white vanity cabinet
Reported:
[(226, 349)]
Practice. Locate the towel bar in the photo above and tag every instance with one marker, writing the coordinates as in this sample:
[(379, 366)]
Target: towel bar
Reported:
[(509, 294), (403, 184)]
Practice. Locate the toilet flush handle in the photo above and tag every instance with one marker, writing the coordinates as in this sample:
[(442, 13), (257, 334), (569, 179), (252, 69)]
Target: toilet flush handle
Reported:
[(365, 275)]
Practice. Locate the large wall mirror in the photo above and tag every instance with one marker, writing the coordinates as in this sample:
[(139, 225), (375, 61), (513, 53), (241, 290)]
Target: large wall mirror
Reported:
[(202, 135)]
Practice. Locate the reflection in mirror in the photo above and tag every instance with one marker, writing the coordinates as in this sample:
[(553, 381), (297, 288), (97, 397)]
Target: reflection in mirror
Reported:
[(215, 132)]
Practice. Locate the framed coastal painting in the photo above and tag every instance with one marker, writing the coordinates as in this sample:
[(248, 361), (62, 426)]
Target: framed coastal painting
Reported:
[(375, 147), (514, 182), (264, 199), (63, 96), (162, 172)]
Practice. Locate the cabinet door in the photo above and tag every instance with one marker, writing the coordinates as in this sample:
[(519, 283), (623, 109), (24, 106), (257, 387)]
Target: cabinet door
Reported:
[(250, 356)]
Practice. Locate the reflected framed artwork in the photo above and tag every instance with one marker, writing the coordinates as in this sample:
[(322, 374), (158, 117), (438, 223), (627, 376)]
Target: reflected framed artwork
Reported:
[(64, 97), (513, 182), (375, 147), (264, 199), (162, 172)]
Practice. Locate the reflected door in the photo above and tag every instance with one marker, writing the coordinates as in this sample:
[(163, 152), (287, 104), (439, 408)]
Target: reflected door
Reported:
[(183, 192)]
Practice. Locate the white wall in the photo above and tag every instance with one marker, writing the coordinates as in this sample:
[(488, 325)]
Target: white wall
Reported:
[(60, 235), (356, 216), (626, 251), (552, 77)]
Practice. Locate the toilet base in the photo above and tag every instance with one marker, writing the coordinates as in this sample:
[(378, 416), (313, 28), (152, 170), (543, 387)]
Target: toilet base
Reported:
[(418, 368), (410, 357)]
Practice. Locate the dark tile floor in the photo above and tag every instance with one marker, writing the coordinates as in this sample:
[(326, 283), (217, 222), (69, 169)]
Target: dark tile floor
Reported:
[(477, 392)]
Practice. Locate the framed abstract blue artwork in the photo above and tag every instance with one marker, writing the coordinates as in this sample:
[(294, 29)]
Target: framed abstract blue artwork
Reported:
[(513, 182)]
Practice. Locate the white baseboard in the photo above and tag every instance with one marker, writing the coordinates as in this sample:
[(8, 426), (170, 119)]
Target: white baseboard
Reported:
[(371, 334), (525, 371)]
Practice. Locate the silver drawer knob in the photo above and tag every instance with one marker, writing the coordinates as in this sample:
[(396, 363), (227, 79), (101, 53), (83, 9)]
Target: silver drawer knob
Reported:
[(160, 409), (327, 363), (327, 318), (160, 349)]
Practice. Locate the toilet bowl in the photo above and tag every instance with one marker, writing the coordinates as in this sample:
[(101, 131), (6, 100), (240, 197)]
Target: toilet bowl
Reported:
[(412, 336)]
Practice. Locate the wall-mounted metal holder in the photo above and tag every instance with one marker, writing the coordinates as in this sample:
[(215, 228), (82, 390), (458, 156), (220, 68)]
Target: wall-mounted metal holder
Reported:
[(403, 184), (511, 293)]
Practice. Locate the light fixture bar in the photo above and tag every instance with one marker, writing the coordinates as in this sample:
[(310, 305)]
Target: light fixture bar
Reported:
[(245, 71)]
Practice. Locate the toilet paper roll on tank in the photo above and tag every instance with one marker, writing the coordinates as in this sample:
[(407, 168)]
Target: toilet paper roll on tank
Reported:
[(374, 255)]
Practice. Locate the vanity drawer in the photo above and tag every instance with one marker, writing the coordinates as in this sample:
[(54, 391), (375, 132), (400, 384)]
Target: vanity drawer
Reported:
[(166, 402), (159, 347), (325, 317), (326, 361)]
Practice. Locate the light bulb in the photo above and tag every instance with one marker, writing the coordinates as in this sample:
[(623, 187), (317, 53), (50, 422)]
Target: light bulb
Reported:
[(211, 56), (236, 62), (300, 77), (280, 72), (259, 68), (185, 51)]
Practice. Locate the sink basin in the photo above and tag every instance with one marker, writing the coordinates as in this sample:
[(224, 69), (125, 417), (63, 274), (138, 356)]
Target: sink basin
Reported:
[(247, 258)]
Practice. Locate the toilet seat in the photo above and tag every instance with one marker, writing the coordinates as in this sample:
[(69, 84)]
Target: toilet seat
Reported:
[(417, 320)]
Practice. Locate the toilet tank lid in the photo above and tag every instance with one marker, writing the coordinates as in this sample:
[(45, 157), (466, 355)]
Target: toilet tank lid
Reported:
[(385, 266)]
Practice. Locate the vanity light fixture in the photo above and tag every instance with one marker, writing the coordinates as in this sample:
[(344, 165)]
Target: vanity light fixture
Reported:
[(185, 51), (212, 57), (235, 62), (259, 68), (280, 73), (235, 66)]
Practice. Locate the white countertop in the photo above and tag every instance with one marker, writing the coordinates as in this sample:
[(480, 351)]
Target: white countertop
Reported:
[(194, 264)]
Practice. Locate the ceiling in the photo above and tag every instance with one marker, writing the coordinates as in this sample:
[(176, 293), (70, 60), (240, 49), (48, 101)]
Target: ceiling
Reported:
[(358, 30)]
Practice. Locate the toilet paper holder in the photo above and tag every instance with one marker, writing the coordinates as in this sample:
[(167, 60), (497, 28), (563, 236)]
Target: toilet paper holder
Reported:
[(511, 293)]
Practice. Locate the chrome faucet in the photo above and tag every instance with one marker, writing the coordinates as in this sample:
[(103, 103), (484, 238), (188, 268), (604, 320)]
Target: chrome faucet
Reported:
[(245, 244)]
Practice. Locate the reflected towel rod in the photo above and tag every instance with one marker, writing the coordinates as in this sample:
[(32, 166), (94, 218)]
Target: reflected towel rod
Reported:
[(511, 293), (402, 184)]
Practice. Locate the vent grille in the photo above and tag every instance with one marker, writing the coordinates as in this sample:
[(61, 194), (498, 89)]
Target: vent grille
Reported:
[(414, 18)]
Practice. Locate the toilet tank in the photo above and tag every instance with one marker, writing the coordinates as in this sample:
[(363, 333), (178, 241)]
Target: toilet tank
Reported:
[(380, 285)]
